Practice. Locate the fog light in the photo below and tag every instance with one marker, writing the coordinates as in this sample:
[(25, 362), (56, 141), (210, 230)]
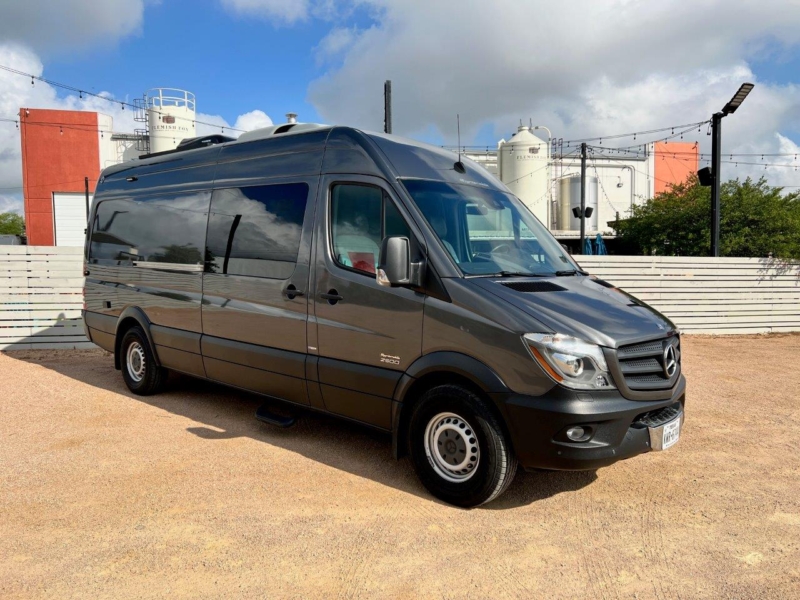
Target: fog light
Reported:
[(575, 433)]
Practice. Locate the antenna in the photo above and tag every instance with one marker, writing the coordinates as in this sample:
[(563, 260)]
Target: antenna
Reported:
[(459, 166), (458, 128)]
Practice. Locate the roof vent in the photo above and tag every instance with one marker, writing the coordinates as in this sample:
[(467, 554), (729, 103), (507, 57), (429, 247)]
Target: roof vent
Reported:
[(531, 287), (291, 117)]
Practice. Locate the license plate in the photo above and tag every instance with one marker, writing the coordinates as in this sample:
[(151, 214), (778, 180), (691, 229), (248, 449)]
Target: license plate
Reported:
[(672, 431)]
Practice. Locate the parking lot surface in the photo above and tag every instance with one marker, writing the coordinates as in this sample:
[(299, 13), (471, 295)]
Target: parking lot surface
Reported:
[(104, 494)]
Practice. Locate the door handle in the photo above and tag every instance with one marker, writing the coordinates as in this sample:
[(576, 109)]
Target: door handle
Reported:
[(292, 292), (332, 296)]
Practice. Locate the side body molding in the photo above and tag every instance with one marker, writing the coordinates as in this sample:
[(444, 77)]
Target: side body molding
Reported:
[(136, 313)]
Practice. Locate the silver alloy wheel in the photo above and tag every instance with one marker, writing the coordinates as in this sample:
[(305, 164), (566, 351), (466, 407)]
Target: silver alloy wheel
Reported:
[(452, 447), (135, 361)]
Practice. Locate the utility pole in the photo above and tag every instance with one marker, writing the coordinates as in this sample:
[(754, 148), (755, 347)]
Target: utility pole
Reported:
[(716, 149), (387, 106), (583, 197)]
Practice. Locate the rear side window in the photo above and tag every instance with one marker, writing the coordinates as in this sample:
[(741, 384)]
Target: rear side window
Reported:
[(255, 231), (165, 229), (361, 216)]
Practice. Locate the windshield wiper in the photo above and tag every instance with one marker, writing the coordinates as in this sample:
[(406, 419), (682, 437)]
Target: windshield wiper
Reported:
[(569, 272)]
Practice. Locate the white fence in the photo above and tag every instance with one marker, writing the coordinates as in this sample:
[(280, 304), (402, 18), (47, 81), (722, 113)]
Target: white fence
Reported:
[(41, 296), (710, 295)]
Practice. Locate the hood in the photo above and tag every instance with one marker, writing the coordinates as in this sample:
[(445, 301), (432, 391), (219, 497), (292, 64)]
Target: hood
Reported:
[(585, 307)]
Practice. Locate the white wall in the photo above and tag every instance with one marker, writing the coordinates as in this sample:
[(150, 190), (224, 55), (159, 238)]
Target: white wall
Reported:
[(709, 295)]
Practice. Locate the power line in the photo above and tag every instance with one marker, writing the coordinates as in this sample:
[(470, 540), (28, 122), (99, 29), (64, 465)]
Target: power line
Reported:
[(81, 92)]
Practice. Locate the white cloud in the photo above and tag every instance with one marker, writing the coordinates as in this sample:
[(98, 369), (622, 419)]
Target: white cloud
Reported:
[(281, 11), (17, 92), (11, 203), (335, 43), (582, 68), (255, 119), (50, 26)]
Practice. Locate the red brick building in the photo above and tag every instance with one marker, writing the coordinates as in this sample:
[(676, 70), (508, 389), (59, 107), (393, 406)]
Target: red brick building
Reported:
[(59, 149)]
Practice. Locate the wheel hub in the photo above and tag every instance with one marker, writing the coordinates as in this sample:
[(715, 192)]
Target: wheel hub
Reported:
[(451, 447), (135, 361)]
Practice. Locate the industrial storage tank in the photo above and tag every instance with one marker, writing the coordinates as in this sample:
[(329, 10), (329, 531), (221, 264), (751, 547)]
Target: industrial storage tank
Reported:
[(170, 117), (523, 165), (570, 197)]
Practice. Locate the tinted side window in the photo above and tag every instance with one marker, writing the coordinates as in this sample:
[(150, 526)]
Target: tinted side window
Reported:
[(361, 216), (167, 228), (256, 230)]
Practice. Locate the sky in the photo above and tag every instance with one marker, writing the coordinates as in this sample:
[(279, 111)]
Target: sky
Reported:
[(581, 68)]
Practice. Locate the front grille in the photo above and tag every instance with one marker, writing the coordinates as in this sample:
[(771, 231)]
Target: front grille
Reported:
[(644, 365), (658, 417)]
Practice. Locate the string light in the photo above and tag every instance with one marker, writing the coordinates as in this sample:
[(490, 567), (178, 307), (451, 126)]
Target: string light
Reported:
[(80, 91)]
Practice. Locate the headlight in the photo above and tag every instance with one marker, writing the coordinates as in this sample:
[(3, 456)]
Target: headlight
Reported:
[(570, 361)]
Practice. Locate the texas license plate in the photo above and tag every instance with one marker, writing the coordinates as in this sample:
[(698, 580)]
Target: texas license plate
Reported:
[(672, 431)]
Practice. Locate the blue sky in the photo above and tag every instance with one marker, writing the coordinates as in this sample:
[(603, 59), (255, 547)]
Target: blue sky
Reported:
[(233, 64), (582, 68)]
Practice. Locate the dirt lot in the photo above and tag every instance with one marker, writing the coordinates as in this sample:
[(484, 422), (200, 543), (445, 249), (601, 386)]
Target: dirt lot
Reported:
[(108, 495)]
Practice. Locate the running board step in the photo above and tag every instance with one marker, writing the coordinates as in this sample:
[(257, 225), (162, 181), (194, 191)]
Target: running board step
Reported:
[(267, 416)]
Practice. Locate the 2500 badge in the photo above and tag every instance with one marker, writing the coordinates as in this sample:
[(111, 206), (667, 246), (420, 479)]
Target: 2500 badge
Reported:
[(389, 359)]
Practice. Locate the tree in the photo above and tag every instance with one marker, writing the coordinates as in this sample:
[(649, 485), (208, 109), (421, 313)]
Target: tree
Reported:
[(11, 224), (755, 220)]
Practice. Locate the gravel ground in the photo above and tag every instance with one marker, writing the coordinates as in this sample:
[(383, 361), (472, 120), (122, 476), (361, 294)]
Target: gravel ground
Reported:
[(107, 495)]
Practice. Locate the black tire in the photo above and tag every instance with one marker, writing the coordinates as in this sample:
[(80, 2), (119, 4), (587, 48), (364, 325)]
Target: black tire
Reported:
[(143, 378), (474, 429)]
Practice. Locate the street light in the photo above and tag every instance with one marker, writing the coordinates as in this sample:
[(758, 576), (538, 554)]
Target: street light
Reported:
[(716, 153), (737, 99)]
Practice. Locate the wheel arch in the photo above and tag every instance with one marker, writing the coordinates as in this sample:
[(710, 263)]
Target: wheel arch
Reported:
[(132, 315), (439, 368)]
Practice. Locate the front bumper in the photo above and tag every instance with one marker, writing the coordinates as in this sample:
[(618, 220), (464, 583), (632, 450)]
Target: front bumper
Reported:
[(619, 428)]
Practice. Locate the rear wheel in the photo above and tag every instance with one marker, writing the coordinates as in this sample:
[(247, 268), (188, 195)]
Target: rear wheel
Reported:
[(139, 369), (458, 447)]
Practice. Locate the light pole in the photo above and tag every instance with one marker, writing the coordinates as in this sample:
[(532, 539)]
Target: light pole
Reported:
[(716, 154)]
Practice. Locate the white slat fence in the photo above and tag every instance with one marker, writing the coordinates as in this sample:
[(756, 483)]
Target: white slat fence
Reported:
[(709, 295), (41, 293), (41, 297)]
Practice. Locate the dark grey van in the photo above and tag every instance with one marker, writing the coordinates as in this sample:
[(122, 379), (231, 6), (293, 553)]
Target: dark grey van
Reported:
[(384, 281)]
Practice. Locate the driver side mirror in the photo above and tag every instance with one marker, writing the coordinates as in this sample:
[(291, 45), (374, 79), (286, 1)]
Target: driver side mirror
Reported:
[(394, 264)]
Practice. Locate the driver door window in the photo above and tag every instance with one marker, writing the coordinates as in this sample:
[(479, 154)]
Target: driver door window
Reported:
[(361, 216)]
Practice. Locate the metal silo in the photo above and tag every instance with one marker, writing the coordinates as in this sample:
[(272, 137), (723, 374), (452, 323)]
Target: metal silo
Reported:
[(170, 117), (523, 165), (570, 197)]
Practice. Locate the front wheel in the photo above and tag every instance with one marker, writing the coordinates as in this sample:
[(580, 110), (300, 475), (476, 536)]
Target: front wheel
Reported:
[(459, 449)]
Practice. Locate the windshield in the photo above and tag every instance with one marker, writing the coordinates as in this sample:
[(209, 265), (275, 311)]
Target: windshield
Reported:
[(488, 232)]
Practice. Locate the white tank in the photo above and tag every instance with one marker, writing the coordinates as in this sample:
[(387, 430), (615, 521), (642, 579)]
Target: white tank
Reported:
[(523, 165), (570, 197), (170, 118)]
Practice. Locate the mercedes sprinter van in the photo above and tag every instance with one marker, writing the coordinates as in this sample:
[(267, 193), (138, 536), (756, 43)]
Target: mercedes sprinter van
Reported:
[(384, 281)]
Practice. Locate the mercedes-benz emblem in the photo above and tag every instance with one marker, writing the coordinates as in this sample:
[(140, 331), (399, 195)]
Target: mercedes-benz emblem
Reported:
[(670, 362)]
